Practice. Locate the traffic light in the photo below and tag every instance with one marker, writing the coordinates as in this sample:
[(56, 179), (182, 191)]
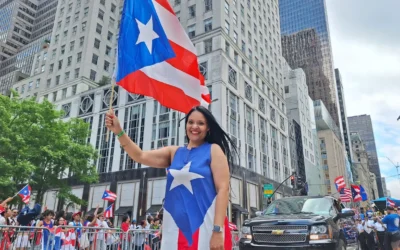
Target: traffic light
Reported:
[(292, 180)]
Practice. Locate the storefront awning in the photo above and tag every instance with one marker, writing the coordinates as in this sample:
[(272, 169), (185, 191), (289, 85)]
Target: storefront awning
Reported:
[(123, 210), (154, 209), (240, 209)]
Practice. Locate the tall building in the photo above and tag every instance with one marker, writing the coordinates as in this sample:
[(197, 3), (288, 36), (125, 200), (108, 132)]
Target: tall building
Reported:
[(332, 150), (306, 44), (384, 187), (343, 115), (363, 125), (37, 30), (362, 175), (301, 119), (239, 58)]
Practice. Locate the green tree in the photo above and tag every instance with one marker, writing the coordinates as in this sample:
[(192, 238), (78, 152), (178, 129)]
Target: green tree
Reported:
[(38, 147), (104, 81)]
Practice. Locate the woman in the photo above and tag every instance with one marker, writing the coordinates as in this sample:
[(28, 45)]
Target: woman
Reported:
[(201, 166), (125, 237)]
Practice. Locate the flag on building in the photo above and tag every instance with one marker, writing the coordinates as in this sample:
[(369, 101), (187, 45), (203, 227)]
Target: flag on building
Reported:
[(156, 58), (340, 183), (109, 212), (363, 193), (109, 196), (345, 195), (390, 203), (25, 194), (355, 190)]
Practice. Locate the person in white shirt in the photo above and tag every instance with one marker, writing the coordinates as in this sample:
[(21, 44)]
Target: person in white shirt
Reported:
[(369, 227), (380, 232)]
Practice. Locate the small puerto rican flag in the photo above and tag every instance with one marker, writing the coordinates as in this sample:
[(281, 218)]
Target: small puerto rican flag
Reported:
[(390, 203), (109, 196), (109, 211), (25, 194)]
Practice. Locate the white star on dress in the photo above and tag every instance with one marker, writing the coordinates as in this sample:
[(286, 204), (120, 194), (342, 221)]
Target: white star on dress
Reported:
[(184, 177), (146, 34)]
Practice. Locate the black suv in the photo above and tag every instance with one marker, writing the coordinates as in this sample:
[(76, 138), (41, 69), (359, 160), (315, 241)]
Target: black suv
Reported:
[(297, 222)]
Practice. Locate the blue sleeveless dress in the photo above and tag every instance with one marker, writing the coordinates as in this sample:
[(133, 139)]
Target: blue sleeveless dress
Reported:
[(189, 206)]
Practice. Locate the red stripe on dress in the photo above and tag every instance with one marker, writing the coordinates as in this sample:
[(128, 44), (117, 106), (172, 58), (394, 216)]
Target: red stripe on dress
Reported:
[(166, 5), (183, 243), (228, 235), (184, 61), (169, 96)]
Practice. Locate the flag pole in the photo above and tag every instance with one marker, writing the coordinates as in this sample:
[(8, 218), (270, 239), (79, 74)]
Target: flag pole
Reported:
[(110, 105)]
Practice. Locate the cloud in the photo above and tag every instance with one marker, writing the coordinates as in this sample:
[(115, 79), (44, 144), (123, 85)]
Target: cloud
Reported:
[(365, 42)]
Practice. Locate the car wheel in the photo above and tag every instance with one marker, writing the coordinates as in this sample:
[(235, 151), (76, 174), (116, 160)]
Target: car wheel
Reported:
[(341, 245)]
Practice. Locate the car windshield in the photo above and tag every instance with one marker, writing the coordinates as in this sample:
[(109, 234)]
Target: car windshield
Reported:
[(299, 205)]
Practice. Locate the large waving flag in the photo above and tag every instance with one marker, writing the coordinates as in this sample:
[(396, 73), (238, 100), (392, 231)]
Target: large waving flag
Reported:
[(109, 196), (156, 57), (355, 190), (25, 194), (340, 183)]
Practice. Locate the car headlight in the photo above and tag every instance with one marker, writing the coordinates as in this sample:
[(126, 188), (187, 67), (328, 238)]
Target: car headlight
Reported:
[(321, 229), (246, 232)]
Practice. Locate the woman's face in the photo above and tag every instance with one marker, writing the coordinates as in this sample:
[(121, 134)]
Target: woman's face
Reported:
[(8, 213), (61, 221), (196, 127)]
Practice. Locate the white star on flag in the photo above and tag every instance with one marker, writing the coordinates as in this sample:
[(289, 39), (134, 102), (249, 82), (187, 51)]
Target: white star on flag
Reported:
[(184, 177), (146, 34)]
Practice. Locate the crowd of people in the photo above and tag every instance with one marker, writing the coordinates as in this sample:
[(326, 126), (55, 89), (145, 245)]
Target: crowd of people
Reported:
[(65, 231), (378, 230)]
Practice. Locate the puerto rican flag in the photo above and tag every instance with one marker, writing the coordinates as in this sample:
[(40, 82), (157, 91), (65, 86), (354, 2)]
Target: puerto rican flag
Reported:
[(25, 194), (390, 203), (340, 183), (189, 210), (109, 196), (356, 193), (156, 58), (109, 211)]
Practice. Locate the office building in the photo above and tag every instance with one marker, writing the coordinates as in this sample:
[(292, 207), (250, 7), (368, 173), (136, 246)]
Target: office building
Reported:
[(384, 187), (301, 119), (332, 150), (343, 115), (306, 44), (32, 23), (239, 58), (363, 125)]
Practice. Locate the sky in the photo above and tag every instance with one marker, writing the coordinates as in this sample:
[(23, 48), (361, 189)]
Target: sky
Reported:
[(365, 37)]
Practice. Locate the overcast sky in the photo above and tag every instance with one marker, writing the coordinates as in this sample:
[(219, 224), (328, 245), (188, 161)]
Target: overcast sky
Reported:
[(365, 37)]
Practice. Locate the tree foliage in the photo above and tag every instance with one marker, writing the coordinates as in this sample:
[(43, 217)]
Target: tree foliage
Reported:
[(104, 81), (38, 147)]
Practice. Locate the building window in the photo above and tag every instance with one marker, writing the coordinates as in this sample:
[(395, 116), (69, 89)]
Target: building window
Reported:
[(76, 75), (95, 58), (57, 80), (81, 40), (97, 43), (66, 76), (226, 8), (71, 46), (99, 28), (106, 66), (60, 64), (86, 12), (62, 50), (102, 2), (235, 37), (113, 7), (108, 51), (192, 11), (234, 19), (83, 26), (48, 83), (286, 89), (51, 68), (93, 75), (192, 31), (79, 57), (261, 104), (110, 36), (227, 27), (69, 61), (204, 69), (100, 15), (42, 69), (74, 90), (227, 47), (208, 45), (208, 5), (248, 92), (208, 25)]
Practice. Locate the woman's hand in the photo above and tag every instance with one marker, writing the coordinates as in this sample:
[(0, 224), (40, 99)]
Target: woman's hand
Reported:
[(217, 241), (112, 122)]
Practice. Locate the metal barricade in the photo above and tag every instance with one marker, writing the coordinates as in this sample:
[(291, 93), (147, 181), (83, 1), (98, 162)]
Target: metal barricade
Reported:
[(83, 238)]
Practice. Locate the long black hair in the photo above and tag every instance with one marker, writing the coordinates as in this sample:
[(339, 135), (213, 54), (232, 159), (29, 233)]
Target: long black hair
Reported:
[(216, 134)]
